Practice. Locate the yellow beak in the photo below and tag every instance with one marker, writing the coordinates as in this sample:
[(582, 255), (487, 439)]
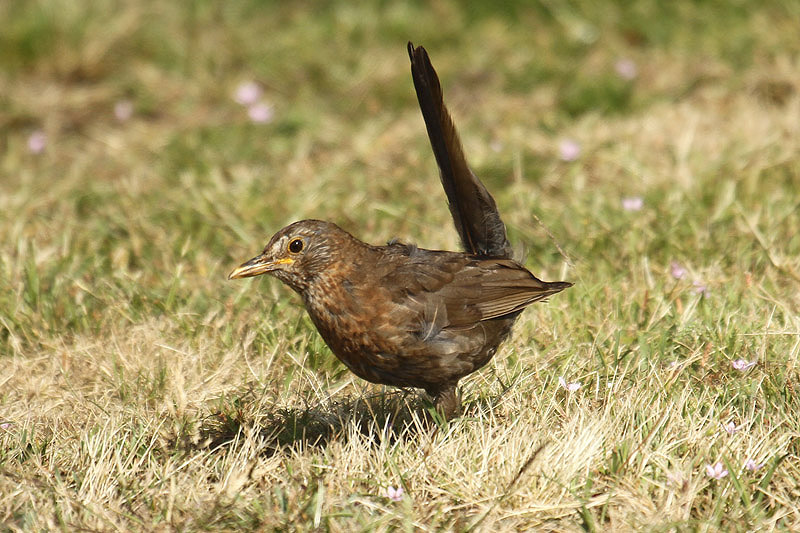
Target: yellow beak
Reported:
[(257, 266)]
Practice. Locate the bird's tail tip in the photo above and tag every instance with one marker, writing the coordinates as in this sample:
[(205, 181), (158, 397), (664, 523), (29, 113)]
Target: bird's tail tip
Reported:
[(558, 286)]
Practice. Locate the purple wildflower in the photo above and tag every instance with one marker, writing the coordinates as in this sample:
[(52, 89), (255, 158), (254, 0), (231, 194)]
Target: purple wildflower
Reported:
[(569, 387), (731, 427), (717, 471), (632, 203), (260, 113), (677, 270), (752, 465), (394, 494), (742, 364), (626, 69), (701, 288), (37, 142), (123, 110), (247, 93), (569, 150)]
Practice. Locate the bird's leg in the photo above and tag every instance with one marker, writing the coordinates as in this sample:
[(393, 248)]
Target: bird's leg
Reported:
[(447, 401)]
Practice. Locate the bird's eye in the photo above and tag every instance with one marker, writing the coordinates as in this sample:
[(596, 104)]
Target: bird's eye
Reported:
[(296, 246)]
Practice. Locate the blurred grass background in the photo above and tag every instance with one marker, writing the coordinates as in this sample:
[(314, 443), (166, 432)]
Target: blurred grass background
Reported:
[(131, 182)]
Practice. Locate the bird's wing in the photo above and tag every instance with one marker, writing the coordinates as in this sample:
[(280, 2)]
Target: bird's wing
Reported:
[(473, 209), (460, 291), (495, 289)]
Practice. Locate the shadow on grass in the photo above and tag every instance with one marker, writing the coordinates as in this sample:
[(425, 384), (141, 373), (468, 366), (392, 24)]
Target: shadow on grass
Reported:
[(380, 417)]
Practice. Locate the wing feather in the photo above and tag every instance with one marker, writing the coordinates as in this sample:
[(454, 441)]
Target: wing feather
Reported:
[(461, 290)]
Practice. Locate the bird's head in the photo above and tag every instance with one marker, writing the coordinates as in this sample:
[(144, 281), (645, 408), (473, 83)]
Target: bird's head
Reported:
[(297, 254)]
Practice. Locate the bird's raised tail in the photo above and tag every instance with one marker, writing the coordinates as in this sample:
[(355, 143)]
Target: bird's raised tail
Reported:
[(474, 210)]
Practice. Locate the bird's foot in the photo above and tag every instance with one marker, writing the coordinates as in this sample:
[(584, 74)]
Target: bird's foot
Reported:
[(447, 402)]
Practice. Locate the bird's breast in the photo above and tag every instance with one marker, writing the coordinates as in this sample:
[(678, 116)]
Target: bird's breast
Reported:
[(355, 324), (395, 342)]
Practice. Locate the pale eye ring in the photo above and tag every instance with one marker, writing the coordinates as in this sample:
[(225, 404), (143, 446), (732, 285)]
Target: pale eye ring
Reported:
[(296, 246)]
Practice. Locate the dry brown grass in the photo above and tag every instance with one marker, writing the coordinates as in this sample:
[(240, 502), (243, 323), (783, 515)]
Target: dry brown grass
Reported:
[(141, 391)]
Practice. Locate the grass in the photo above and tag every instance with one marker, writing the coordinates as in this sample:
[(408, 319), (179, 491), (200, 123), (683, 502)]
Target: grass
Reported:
[(139, 390)]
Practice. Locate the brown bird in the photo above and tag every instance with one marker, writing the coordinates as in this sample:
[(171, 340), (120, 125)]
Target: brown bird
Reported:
[(401, 315)]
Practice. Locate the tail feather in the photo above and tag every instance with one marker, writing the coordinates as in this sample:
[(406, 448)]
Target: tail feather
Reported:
[(473, 209)]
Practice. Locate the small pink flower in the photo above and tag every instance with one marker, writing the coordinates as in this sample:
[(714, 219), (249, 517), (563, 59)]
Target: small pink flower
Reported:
[(394, 494), (677, 270), (123, 110), (37, 142), (569, 150), (717, 471), (731, 427), (632, 203), (6, 425), (626, 69), (752, 465), (569, 387), (247, 93), (742, 365), (260, 113), (676, 479), (701, 288)]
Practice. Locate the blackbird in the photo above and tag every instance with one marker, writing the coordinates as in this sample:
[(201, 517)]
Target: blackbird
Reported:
[(406, 316)]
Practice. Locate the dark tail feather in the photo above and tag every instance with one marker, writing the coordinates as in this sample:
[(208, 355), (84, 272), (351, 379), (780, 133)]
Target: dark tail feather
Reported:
[(474, 211)]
